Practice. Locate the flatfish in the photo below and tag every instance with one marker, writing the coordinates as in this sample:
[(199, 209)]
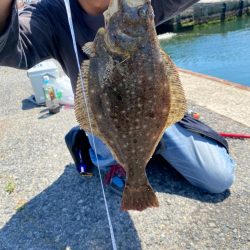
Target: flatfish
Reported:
[(134, 93)]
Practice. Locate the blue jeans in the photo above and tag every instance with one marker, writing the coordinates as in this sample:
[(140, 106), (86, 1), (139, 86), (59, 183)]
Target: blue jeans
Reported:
[(202, 161)]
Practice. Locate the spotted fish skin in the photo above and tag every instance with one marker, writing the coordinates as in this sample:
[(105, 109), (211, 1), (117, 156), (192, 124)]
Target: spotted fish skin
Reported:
[(134, 94)]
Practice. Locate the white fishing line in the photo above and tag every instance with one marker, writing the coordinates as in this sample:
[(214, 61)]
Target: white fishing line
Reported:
[(67, 4)]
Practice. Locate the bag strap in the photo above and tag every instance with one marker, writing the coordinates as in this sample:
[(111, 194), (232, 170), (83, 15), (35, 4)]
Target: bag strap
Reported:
[(201, 128)]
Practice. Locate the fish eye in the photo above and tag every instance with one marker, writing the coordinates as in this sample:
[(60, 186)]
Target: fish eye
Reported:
[(142, 12)]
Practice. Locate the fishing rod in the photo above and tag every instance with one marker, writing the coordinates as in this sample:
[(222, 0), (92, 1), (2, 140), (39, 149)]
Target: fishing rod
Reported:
[(234, 135), (196, 116)]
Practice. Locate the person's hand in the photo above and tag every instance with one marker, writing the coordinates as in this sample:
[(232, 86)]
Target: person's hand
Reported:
[(5, 8)]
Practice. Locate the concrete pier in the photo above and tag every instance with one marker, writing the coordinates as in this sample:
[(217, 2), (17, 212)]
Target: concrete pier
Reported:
[(208, 11), (51, 207)]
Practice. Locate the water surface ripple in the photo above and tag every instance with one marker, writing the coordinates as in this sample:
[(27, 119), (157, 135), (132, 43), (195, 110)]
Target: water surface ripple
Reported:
[(221, 50)]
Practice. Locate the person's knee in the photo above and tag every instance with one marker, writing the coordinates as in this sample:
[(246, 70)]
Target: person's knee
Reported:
[(220, 180)]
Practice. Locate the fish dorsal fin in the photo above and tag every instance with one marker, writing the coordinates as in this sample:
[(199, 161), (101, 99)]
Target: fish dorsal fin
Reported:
[(80, 105), (88, 49), (178, 104)]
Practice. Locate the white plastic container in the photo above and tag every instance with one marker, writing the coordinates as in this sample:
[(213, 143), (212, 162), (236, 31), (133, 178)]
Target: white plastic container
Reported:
[(36, 75), (63, 85)]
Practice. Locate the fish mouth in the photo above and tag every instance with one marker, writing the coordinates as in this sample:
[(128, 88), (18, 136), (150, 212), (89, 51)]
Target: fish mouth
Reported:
[(123, 49)]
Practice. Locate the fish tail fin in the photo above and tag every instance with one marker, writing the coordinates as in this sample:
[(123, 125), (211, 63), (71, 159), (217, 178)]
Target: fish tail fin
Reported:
[(139, 198)]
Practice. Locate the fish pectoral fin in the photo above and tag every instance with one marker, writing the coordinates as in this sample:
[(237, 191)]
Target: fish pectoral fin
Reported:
[(88, 49), (139, 198)]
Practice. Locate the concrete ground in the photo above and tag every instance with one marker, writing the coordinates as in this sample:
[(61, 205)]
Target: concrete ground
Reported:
[(46, 205)]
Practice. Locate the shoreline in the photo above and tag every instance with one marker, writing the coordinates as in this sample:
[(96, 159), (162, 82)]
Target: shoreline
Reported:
[(215, 79)]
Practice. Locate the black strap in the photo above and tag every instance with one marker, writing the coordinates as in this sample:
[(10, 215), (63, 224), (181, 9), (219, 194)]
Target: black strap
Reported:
[(201, 128)]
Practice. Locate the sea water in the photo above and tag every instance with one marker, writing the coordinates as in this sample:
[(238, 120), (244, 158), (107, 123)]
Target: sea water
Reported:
[(221, 50)]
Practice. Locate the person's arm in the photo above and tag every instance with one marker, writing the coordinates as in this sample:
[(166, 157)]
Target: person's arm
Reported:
[(5, 10), (167, 9), (27, 37)]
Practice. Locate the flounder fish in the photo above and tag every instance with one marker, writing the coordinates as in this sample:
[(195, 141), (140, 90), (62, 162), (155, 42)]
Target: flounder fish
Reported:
[(134, 93)]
